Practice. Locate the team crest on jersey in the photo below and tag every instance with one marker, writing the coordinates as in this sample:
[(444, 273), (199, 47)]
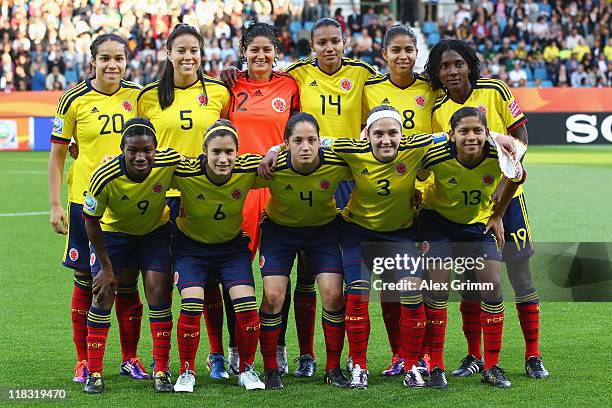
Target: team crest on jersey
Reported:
[(203, 100), (73, 254), (488, 179), (346, 84), (236, 194), (58, 125), (483, 109), (90, 203), (127, 106), (262, 261), (324, 184), (279, 105), (420, 101), (401, 169), (157, 188), (92, 259)]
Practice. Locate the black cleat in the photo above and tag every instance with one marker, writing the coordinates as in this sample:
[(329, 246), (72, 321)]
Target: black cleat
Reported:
[(469, 365), (496, 377), (273, 380), (94, 384), (162, 383), (437, 379), (306, 366), (535, 368), (337, 378)]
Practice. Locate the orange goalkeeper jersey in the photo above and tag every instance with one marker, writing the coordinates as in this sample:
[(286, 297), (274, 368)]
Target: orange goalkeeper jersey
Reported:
[(260, 110)]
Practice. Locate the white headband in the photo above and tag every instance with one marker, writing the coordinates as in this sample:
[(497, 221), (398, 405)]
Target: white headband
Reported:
[(381, 115)]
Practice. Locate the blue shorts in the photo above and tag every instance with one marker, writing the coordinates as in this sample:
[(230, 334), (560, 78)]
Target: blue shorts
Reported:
[(76, 254), (517, 232), (447, 239), (355, 261), (198, 264), (343, 193), (280, 245), (150, 252)]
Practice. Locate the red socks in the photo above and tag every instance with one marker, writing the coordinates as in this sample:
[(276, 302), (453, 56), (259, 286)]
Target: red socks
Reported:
[(357, 322), (188, 331), (333, 329), (268, 337), (247, 330), (435, 331), (470, 314), (160, 320), (129, 316), (213, 316), (412, 328), (305, 310), (81, 302), (492, 321), (529, 316), (98, 323)]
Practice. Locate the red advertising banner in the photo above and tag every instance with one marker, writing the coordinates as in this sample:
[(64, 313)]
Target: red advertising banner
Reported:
[(564, 99), (29, 104)]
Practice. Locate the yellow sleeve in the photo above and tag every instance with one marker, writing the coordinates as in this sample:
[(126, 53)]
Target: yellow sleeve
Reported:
[(225, 104), (94, 206), (64, 124)]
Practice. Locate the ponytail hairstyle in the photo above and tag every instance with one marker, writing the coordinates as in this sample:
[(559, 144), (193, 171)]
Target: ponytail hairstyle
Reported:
[(165, 87), (99, 40), (138, 127), (299, 118), (221, 127)]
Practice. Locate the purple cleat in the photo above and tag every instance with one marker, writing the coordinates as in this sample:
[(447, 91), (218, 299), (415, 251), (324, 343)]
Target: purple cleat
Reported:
[(396, 367), (80, 372), (424, 366), (134, 368)]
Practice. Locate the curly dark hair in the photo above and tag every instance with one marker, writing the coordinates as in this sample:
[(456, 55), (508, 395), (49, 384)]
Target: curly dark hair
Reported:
[(255, 30), (432, 67)]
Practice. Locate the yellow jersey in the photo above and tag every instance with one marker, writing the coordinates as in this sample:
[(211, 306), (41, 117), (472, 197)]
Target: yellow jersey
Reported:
[(461, 194), (414, 103), (95, 120), (334, 100), (304, 200), (123, 205), (493, 98), (381, 198), (211, 213)]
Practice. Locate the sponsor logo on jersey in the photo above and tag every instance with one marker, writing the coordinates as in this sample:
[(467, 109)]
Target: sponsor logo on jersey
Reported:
[(452, 181), (200, 197), (324, 184), (258, 93), (288, 187), (279, 105), (346, 84), (483, 109), (401, 169), (73, 254), (203, 99), (127, 106), (58, 125), (92, 259), (90, 203), (488, 179), (515, 109), (314, 83), (94, 110), (157, 188), (420, 101), (236, 194), (365, 172), (385, 101), (125, 197)]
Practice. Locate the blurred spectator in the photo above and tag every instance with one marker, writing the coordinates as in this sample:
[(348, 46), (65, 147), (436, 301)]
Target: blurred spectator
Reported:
[(579, 77), (518, 76), (355, 20), (55, 80)]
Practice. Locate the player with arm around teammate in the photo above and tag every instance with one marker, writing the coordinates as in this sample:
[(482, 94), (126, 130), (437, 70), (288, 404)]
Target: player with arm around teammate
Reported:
[(458, 219), (209, 246), (126, 219), (301, 216)]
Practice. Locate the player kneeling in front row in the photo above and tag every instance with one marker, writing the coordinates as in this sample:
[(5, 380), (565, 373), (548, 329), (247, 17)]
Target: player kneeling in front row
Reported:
[(209, 245), (128, 195), (458, 221), (301, 216)]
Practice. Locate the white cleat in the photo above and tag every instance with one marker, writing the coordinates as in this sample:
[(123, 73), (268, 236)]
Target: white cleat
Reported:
[(233, 361), (249, 379), (186, 381), (413, 378), (281, 360), (359, 378)]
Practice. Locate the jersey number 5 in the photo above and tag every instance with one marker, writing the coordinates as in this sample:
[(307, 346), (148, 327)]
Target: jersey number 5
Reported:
[(185, 118)]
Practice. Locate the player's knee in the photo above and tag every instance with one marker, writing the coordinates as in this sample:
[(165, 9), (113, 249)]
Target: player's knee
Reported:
[(275, 296), (519, 275), (158, 293), (332, 298)]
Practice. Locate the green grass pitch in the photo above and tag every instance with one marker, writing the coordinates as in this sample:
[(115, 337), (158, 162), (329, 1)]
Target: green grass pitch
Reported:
[(568, 195)]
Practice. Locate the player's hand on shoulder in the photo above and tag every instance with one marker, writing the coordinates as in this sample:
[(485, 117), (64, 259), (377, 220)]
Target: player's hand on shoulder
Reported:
[(73, 149), (267, 165), (496, 225), (416, 199), (107, 158), (228, 76), (58, 220)]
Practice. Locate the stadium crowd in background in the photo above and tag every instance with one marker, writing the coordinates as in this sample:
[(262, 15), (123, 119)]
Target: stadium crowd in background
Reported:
[(45, 44)]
